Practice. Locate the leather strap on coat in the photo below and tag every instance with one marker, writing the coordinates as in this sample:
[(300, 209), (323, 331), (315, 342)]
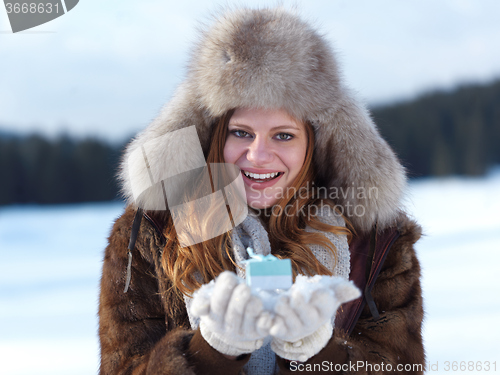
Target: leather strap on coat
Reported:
[(131, 245), (368, 254)]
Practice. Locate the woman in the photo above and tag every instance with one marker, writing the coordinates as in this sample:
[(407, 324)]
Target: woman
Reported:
[(264, 93)]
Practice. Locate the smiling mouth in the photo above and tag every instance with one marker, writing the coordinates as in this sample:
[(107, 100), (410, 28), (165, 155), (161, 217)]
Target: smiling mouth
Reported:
[(263, 177)]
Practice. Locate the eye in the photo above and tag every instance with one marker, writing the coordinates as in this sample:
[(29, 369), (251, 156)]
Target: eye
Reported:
[(284, 136), (240, 133)]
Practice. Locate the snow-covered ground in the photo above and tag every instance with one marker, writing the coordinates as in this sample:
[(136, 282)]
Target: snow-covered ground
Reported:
[(50, 263), (460, 258)]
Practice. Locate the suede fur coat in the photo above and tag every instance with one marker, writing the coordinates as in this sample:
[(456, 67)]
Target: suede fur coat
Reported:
[(264, 58)]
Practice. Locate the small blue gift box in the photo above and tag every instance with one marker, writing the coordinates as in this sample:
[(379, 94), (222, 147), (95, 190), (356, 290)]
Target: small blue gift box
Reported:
[(268, 272)]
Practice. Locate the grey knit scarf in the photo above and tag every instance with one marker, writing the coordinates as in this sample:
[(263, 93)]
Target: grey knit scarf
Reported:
[(251, 233)]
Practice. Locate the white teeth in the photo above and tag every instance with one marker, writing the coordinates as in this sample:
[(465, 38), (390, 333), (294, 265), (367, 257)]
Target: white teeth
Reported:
[(258, 176)]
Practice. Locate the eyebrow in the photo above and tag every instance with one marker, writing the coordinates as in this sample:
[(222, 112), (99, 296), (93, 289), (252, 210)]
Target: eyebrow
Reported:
[(279, 127)]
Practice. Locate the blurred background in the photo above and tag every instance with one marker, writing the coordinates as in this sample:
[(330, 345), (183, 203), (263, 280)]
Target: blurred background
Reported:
[(75, 90)]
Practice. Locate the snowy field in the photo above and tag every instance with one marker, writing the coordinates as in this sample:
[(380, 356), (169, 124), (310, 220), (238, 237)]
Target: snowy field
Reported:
[(50, 263)]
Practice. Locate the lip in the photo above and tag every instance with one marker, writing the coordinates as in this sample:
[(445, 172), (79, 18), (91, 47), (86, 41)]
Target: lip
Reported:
[(259, 171), (260, 185)]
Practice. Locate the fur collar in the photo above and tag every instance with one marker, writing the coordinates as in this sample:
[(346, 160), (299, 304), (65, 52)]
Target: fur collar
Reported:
[(270, 58)]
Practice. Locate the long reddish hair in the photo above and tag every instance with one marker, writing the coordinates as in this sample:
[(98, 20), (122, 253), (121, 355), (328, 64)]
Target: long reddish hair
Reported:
[(189, 267)]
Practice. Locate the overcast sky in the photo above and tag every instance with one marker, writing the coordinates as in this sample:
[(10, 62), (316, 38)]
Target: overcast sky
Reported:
[(106, 67)]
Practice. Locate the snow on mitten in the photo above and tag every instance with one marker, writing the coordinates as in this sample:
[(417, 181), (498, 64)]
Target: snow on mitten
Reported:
[(304, 315), (232, 320)]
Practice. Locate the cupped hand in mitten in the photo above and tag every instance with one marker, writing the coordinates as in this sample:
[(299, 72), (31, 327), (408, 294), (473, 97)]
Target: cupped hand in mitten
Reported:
[(232, 320), (309, 304)]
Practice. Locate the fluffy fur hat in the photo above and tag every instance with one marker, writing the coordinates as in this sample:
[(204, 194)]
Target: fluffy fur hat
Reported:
[(270, 58)]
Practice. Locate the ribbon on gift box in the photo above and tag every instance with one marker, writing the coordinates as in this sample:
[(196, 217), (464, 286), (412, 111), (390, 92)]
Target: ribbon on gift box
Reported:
[(259, 257)]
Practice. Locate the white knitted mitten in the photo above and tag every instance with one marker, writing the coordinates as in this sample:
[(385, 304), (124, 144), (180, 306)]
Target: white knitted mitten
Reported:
[(304, 314), (232, 320)]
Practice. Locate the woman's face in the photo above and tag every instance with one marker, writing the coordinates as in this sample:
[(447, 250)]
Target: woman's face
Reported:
[(269, 146)]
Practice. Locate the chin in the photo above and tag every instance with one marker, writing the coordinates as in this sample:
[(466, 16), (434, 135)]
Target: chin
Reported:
[(259, 205)]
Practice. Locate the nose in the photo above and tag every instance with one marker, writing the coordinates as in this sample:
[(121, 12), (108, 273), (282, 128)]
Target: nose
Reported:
[(259, 151)]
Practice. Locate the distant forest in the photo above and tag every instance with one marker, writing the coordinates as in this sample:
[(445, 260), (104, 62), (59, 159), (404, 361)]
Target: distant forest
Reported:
[(34, 169), (437, 134), (445, 133)]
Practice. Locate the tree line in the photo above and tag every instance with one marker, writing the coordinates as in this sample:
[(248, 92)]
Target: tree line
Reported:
[(34, 169), (445, 133), (437, 134)]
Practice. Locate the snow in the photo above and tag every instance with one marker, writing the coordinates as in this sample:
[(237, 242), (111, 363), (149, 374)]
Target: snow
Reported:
[(460, 259), (50, 267), (51, 258)]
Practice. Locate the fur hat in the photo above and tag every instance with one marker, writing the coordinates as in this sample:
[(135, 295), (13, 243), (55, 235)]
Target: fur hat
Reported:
[(270, 58)]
